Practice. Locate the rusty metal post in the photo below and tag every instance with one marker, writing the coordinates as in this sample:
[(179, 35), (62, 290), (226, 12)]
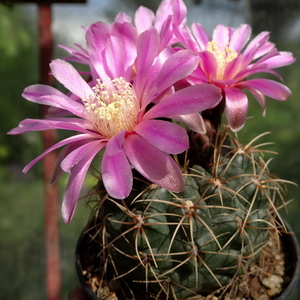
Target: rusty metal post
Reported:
[(53, 270)]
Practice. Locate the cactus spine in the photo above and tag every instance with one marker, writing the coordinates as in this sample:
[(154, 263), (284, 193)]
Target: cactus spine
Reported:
[(199, 241)]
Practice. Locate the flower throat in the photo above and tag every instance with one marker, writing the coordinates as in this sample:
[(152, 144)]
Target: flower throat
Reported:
[(223, 56), (113, 106)]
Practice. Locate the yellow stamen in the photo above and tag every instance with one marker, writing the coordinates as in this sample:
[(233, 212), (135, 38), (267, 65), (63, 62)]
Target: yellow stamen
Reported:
[(223, 56), (113, 106)]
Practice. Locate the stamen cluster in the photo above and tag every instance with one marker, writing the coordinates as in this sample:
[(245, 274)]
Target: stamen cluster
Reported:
[(223, 55), (113, 106)]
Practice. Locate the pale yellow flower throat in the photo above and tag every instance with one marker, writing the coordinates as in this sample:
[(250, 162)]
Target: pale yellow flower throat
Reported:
[(113, 107), (223, 56)]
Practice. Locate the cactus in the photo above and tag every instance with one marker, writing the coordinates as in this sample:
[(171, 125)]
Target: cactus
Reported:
[(182, 208), (199, 241)]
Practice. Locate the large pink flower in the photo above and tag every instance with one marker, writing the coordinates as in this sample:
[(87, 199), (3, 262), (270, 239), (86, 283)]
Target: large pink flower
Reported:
[(227, 60), (115, 112)]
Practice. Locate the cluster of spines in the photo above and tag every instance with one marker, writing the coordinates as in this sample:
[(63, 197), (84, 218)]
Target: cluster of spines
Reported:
[(197, 241)]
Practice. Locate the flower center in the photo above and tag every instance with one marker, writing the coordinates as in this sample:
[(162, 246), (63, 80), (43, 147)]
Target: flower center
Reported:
[(113, 106), (223, 56)]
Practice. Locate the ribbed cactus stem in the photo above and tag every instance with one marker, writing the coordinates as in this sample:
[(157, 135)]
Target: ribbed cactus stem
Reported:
[(199, 241)]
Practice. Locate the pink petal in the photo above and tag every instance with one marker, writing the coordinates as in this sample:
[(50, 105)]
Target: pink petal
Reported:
[(225, 82), (263, 49), (80, 55), (57, 171), (48, 124), (208, 64), (123, 37), (193, 121), (272, 53), (260, 97), (166, 136), (34, 92), (153, 164), (78, 154), (253, 47), (178, 66), (114, 58), (96, 37), (185, 37), (66, 74), (114, 145), (123, 18), (47, 95), (54, 112), (233, 67), (147, 48), (116, 171), (189, 100), (268, 87), (149, 90), (240, 37), (179, 12), (162, 13), (128, 34), (64, 103), (166, 34), (144, 18), (201, 36), (74, 185), (221, 34), (64, 142), (198, 76), (236, 108), (283, 59), (260, 69)]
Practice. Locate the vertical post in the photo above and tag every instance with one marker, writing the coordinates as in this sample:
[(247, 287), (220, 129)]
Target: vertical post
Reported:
[(53, 275)]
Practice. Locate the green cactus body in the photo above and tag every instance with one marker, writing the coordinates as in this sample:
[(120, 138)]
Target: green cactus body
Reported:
[(198, 241)]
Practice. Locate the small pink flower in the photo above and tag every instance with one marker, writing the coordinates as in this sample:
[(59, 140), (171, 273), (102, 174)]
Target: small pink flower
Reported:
[(112, 113), (169, 16), (227, 60)]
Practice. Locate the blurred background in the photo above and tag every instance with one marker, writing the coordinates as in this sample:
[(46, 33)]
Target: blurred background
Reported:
[(22, 255)]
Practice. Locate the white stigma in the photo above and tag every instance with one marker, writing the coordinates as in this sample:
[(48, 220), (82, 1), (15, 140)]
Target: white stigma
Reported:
[(223, 56), (113, 107)]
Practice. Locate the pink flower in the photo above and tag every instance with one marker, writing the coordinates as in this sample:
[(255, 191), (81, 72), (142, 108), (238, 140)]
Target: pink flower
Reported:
[(110, 49), (227, 60), (112, 113), (170, 15)]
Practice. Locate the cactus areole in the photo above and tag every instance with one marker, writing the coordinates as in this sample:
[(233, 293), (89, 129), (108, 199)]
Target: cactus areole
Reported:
[(211, 239)]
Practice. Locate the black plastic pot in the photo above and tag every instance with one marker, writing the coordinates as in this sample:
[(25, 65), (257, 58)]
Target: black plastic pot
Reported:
[(289, 244), (291, 249)]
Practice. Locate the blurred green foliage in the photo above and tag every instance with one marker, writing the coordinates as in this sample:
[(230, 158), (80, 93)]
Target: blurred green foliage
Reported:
[(18, 69), (22, 257), (22, 254), (283, 123)]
